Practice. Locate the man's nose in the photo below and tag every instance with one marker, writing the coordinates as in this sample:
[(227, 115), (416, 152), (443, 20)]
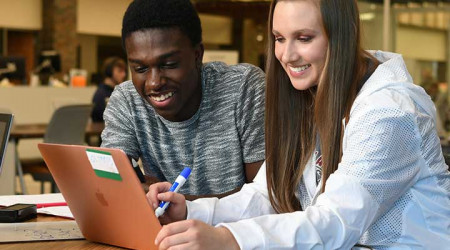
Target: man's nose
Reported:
[(154, 79)]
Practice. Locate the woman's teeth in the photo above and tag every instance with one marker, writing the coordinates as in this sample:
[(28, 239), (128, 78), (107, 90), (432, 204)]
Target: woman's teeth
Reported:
[(300, 69), (162, 97)]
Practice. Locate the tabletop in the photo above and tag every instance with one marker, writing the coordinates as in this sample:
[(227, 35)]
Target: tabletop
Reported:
[(60, 244), (30, 131), (63, 244)]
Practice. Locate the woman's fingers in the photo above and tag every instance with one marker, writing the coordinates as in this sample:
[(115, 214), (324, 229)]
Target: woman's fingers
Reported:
[(177, 209), (154, 190), (182, 246), (192, 234), (174, 198), (172, 231)]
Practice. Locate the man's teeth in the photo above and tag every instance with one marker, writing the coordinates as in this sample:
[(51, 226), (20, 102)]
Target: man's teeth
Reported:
[(300, 69), (162, 97)]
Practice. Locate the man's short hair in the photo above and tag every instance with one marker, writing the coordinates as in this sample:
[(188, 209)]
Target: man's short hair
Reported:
[(149, 14)]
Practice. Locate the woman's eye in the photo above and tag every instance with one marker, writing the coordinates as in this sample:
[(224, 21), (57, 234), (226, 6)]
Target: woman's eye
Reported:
[(305, 38), (279, 39)]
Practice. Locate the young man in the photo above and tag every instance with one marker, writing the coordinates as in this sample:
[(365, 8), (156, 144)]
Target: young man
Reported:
[(178, 112), (114, 73)]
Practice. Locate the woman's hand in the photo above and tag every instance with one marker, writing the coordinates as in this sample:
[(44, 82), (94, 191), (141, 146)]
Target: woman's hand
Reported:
[(193, 234), (177, 209)]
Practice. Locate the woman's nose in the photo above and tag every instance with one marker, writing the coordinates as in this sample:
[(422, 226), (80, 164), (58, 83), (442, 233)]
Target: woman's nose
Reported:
[(290, 53)]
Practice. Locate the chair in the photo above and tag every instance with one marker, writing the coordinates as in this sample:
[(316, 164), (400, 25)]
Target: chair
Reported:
[(8, 172), (67, 126)]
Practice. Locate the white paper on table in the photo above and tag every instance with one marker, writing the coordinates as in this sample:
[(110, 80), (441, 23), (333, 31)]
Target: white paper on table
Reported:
[(56, 211), (8, 200), (39, 231), (63, 211)]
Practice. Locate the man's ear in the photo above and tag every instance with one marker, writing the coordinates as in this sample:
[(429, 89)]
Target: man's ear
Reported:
[(199, 50)]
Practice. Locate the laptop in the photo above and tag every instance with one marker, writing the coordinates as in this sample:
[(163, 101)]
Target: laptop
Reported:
[(5, 129), (104, 194)]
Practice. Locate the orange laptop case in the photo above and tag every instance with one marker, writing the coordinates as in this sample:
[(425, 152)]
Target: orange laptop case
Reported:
[(109, 208)]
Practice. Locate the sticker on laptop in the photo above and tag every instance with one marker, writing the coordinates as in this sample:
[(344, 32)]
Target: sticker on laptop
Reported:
[(103, 164)]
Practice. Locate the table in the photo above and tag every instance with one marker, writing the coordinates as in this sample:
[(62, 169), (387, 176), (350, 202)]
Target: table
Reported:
[(61, 244), (34, 131)]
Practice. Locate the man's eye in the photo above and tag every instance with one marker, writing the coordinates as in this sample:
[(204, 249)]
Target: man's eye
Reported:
[(170, 65), (140, 69)]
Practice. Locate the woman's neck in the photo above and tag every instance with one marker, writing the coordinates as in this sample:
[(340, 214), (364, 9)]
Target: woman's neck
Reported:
[(110, 82)]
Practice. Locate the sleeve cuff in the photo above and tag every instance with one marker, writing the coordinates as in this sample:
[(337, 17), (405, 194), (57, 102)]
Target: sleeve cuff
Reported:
[(240, 230), (200, 209), (255, 158)]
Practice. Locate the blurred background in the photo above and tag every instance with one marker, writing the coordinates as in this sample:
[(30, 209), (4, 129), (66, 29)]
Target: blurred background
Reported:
[(51, 51), (81, 34)]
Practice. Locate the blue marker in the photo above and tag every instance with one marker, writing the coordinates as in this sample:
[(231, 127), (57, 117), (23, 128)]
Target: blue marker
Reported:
[(179, 182)]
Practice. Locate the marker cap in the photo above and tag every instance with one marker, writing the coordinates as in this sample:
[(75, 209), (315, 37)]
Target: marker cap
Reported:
[(186, 172)]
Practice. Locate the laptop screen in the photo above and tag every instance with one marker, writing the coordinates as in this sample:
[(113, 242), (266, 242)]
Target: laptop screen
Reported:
[(5, 126)]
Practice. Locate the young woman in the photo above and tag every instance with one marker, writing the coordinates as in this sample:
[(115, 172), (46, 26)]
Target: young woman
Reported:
[(352, 153)]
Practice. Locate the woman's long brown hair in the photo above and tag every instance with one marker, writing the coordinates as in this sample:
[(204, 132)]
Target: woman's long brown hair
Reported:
[(294, 118)]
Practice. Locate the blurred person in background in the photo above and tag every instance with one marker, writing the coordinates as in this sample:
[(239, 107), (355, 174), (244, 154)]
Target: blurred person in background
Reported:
[(114, 73), (439, 95)]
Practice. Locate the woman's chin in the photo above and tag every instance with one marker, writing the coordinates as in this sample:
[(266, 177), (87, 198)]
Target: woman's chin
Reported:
[(301, 85)]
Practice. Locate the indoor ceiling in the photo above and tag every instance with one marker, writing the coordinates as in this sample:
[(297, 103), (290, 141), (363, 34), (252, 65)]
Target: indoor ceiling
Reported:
[(257, 8), (371, 1), (408, 1)]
